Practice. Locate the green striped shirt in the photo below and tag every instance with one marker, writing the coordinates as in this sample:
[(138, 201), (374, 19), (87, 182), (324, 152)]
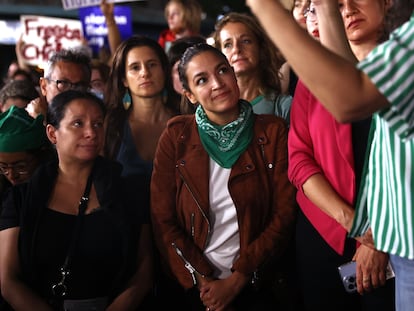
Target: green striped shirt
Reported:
[(385, 201)]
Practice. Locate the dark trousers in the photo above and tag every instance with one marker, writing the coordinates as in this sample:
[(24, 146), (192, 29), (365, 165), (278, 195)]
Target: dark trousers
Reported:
[(318, 279)]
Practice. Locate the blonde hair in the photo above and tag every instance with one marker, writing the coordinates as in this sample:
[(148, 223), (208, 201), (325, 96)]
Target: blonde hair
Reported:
[(192, 12)]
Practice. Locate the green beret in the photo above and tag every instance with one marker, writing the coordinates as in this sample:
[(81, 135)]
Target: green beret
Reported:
[(20, 132)]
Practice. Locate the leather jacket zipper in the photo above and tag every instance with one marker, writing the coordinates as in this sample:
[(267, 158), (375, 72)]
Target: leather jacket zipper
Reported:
[(200, 209), (187, 264)]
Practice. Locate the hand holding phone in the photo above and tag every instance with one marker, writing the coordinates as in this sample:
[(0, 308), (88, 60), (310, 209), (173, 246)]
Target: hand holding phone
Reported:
[(347, 272)]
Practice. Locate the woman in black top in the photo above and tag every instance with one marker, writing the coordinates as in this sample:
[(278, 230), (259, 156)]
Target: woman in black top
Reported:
[(106, 250)]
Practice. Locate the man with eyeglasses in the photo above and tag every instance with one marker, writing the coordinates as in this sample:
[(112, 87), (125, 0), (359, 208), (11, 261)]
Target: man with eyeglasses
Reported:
[(65, 70)]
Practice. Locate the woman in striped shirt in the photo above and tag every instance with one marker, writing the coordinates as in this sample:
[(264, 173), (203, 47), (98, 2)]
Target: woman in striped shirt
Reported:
[(384, 88)]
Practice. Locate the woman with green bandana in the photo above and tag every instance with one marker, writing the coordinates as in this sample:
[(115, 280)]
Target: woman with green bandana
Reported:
[(221, 203)]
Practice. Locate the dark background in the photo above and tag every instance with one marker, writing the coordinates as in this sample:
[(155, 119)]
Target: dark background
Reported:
[(148, 17)]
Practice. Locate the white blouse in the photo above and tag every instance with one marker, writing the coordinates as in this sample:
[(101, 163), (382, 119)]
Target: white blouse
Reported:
[(224, 244)]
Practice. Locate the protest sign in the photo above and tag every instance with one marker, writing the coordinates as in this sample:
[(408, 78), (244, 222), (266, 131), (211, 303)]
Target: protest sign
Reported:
[(94, 25), (75, 4), (44, 35)]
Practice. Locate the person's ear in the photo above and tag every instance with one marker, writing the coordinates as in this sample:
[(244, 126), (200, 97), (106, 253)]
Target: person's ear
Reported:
[(125, 83), (191, 97), (51, 133), (43, 85)]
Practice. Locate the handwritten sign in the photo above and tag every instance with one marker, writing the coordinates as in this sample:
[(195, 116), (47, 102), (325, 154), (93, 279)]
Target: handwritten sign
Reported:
[(44, 35), (75, 4)]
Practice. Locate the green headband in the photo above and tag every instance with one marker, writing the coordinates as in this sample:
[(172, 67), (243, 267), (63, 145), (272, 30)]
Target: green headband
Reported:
[(20, 132)]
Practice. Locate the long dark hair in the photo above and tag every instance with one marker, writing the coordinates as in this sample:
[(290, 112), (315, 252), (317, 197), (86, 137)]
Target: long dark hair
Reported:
[(115, 92)]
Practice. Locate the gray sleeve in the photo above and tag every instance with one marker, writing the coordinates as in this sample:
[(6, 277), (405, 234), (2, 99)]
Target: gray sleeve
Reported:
[(282, 107)]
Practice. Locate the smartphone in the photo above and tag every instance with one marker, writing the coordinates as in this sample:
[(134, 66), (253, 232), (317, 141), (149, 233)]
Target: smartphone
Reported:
[(347, 272)]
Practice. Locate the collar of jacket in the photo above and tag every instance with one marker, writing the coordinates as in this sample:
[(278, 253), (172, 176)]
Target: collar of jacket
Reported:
[(192, 161), (189, 133)]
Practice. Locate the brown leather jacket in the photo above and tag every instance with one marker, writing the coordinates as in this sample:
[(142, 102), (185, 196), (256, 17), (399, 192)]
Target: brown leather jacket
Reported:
[(258, 185)]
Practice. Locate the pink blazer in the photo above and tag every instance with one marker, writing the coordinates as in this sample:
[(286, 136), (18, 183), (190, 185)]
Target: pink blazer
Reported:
[(317, 143)]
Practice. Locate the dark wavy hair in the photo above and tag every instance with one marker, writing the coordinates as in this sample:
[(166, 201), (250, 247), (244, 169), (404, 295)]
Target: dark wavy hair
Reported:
[(270, 59), (115, 92), (174, 54), (179, 46), (57, 107)]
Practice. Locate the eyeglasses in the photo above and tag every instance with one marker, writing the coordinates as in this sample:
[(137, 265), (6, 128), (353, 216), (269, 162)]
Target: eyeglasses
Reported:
[(310, 14), (64, 85), (20, 167)]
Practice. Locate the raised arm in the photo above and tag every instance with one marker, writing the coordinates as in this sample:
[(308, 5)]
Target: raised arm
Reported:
[(331, 29), (114, 36), (19, 55), (343, 89)]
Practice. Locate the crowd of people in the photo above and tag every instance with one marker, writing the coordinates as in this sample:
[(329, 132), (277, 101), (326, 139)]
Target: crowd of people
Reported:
[(236, 176)]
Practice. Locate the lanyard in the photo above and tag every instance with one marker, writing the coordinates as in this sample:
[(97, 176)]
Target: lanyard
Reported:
[(60, 289)]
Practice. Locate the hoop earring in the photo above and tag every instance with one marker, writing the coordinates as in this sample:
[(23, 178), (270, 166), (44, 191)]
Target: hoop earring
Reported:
[(126, 100)]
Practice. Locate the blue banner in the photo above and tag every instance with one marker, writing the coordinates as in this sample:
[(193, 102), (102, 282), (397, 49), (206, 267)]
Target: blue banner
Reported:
[(95, 30), (75, 4)]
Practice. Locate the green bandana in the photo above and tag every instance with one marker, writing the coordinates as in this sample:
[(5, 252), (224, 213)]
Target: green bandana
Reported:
[(20, 132), (225, 143)]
